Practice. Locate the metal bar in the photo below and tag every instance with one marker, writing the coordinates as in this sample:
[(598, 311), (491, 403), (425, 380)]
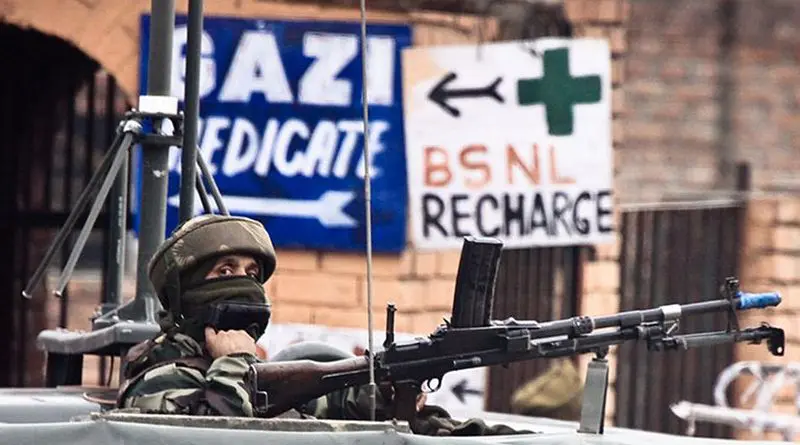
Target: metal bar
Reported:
[(367, 204), (659, 294), (726, 143), (155, 159), (201, 190), (694, 360), (201, 162), (117, 212), (680, 205), (105, 288), (642, 298), (65, 243), (117, 225), (191, 110), (112, 177), (80, 206)]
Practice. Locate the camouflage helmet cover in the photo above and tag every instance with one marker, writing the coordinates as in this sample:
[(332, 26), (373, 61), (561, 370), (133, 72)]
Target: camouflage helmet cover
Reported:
[(207, 236)]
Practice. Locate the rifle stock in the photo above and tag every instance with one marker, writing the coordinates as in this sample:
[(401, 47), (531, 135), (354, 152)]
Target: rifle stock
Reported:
[(286, 383)]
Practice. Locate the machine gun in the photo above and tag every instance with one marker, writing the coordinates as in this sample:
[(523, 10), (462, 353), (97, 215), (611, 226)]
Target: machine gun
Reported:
[(472, 339)]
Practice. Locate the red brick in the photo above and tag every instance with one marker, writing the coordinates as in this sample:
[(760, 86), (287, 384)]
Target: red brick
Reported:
[(597, 303), (609, 11), (759, 239), (787, 239), (383, 265), (424, 264), (357, 318), (576, 10), (297, 260), (609, 251), (314, 288), (618, 102), (601, 276), (618, 41), (439, 294), (407, 295), (594, 32), (625, 6), (425, 323), (786, 268), (788, 211), (617, 131), (447, 263), (291, 313)]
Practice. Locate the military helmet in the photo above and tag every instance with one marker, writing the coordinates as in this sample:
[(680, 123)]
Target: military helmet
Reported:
[(207, 236)]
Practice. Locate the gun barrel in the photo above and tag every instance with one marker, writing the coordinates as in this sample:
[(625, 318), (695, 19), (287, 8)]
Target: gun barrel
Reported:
[(672, 312)]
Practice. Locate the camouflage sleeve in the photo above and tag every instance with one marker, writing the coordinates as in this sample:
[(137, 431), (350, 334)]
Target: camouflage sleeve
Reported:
[(176, 388)]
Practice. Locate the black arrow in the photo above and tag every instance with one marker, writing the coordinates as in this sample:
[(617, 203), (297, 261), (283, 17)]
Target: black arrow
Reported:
[(440, 95), (460, 390)]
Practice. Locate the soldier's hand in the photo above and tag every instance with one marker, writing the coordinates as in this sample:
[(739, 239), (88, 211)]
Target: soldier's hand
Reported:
[(229, 342)]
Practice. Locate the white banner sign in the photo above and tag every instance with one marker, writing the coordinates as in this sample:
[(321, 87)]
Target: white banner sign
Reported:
[(460, 391), (509, 140)]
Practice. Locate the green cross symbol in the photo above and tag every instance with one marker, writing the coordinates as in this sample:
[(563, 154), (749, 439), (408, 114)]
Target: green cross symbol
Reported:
[(558, 91)]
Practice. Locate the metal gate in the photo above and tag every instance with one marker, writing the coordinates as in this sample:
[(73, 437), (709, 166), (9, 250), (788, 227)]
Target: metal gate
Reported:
[(532, 284), (58, 111), (674, 255)]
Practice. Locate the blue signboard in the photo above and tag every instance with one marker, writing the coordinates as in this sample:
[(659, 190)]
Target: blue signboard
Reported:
[(281, 127)]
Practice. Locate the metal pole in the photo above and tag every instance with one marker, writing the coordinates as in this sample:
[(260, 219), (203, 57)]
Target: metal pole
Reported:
[(727, 150), (155, 159), (191, 109), (117, 231), (367, 207)]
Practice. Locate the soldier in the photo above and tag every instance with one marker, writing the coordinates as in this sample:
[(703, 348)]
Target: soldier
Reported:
[(191, 369), (188, 368)]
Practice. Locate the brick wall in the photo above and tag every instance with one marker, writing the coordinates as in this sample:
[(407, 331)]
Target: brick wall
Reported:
[(673, 139), (316, 287), (771, 262), (605, 19)]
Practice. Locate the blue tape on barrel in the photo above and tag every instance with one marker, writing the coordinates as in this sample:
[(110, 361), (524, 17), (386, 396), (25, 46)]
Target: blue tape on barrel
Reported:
[(757, 300)]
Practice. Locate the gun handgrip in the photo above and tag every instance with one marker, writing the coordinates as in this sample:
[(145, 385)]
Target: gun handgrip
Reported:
[(759, 300)]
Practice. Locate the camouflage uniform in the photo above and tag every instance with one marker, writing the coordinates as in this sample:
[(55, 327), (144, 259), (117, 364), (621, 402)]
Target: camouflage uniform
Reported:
[(173, 373)]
